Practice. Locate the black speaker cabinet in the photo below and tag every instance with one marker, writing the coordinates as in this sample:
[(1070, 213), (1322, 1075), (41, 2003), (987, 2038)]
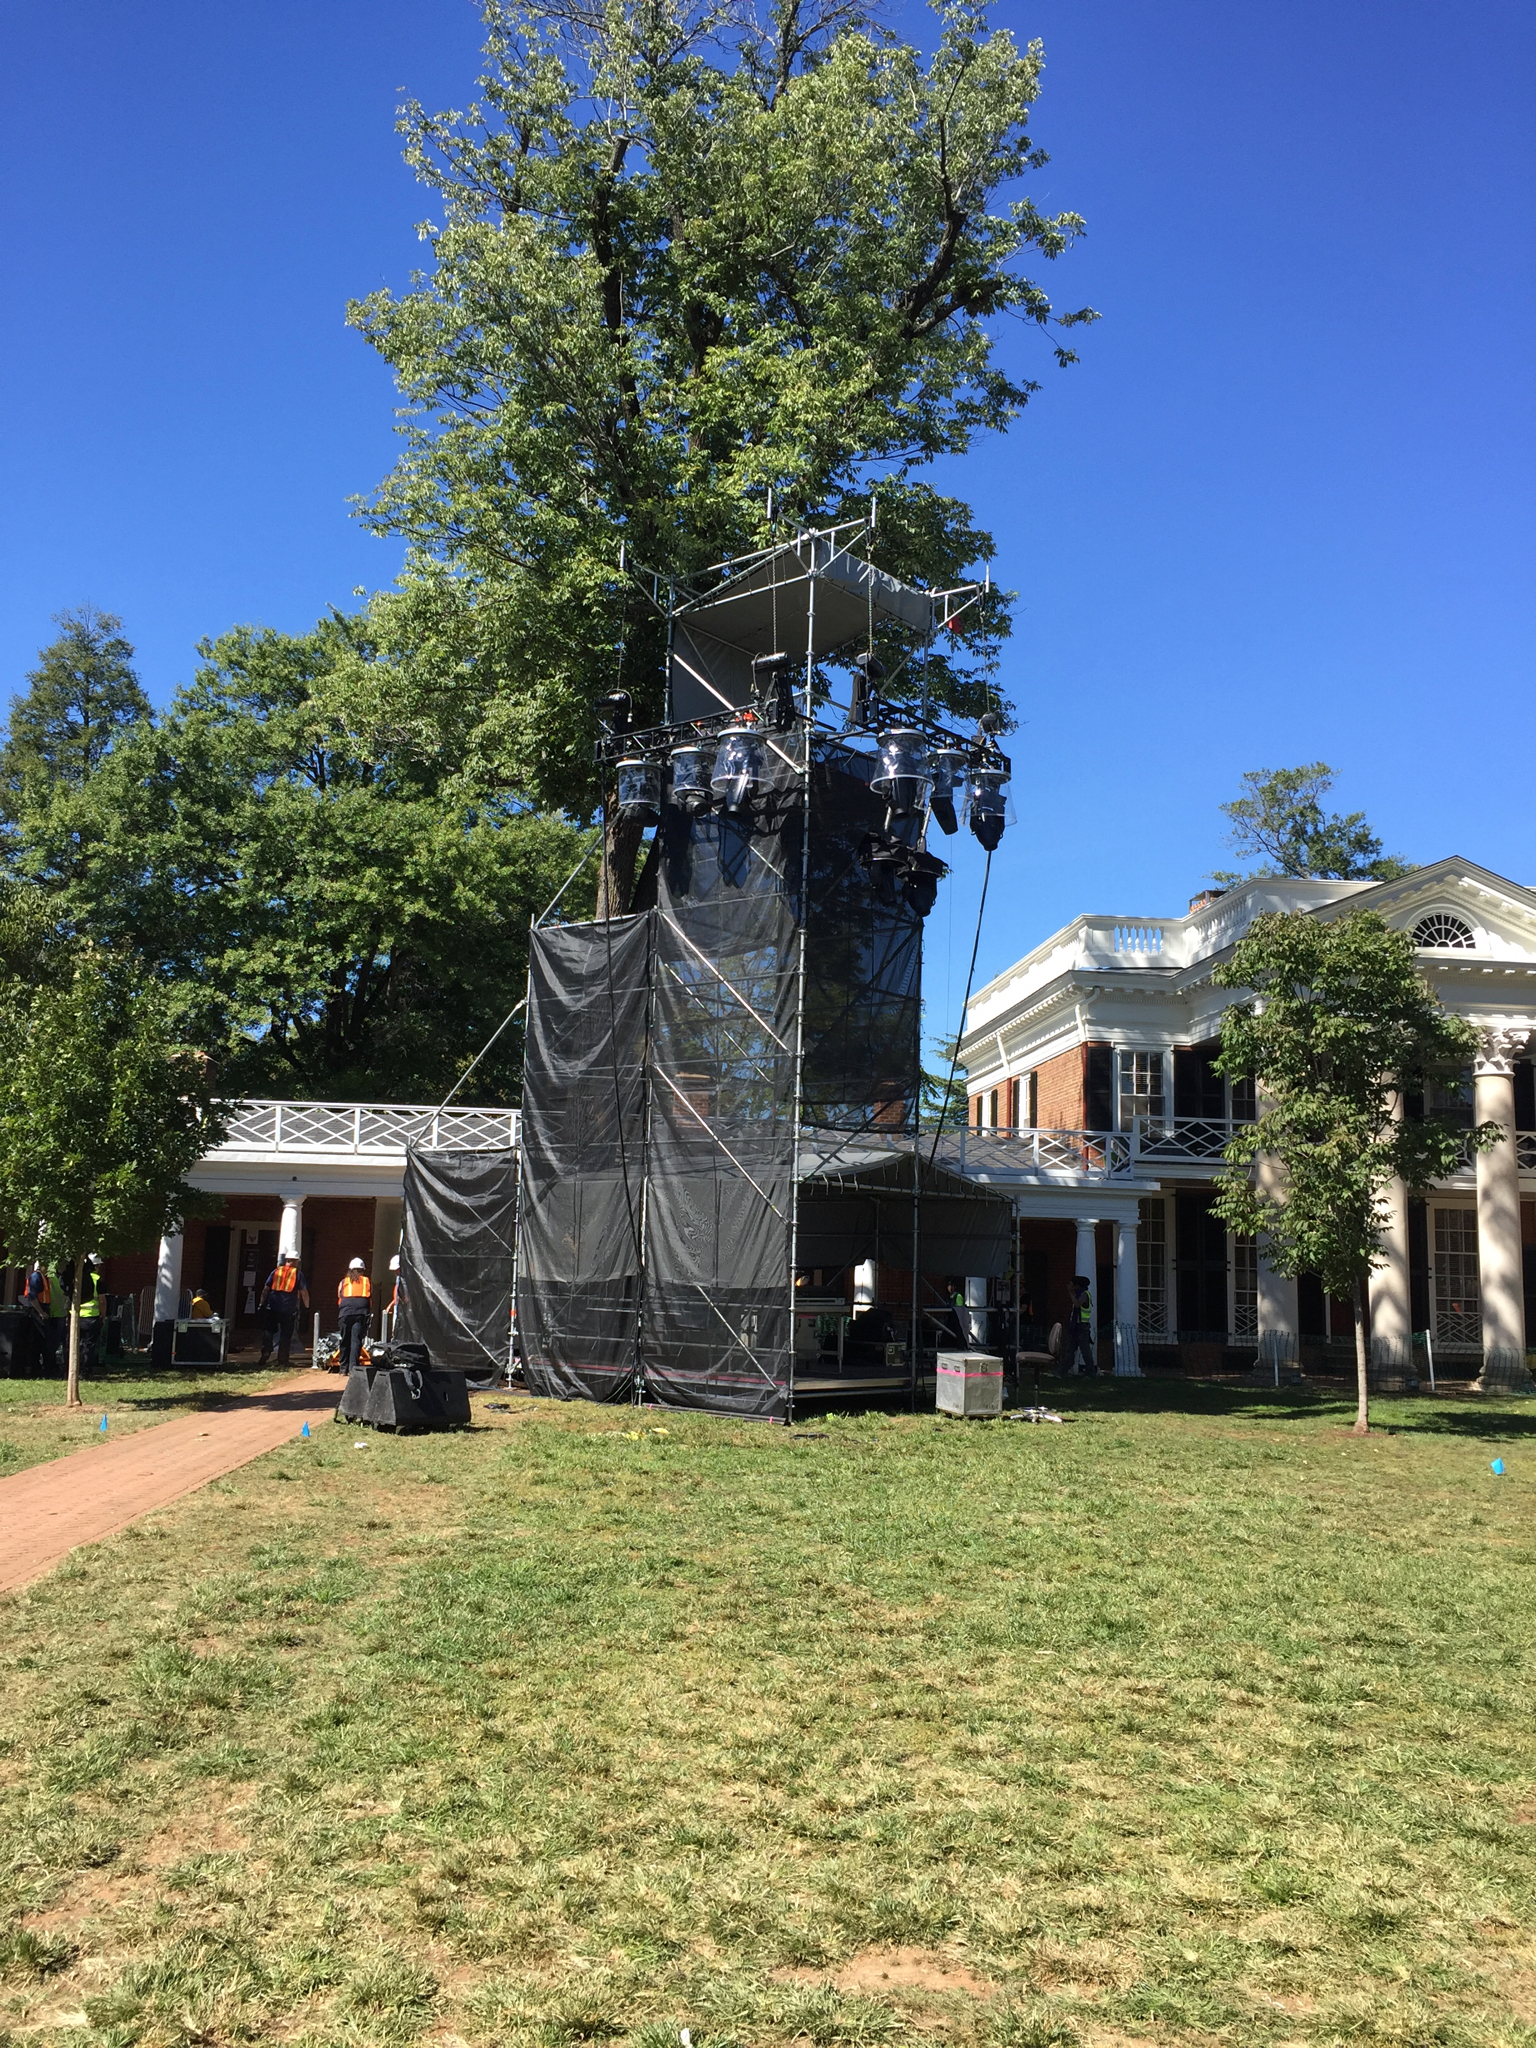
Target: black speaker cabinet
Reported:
[(388, 1397)]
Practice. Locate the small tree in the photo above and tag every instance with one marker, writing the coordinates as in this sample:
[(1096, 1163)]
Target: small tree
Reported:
[(1281, 823), (106, 1100), (1338, 1029)]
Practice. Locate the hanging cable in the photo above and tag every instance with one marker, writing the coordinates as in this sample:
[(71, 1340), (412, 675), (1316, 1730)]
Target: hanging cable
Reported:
[(986, 876)]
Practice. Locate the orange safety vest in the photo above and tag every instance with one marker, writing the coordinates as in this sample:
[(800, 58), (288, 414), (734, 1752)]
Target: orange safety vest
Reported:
[(285, 1278), (355, 1287)]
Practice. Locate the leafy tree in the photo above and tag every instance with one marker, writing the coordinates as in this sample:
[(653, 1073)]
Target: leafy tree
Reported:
[(106, 1099), (1281, 822), (942, 1099), (83, 698), (689, 262), (1338, 1028), (362, 917)]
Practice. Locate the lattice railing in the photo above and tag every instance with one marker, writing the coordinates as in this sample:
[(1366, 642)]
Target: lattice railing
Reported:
[(366, 1129), (1090, 1155)]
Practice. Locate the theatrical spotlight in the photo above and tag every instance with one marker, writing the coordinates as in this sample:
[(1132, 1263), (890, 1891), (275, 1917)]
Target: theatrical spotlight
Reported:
[(920, 882), (950, 768), (989, 807), (738, 766), (901, 774), (773, 676), (690, 785), (870, 673), (639, 788)]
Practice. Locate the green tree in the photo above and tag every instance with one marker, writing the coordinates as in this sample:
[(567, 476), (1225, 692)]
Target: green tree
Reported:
[(1337, 1030), (942, 1099), (82, 699), (361, 915), (1281, 823), (107, 1100), (686, 264)]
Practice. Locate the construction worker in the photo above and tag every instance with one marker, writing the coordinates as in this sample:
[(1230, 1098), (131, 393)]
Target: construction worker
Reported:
[(39, 1295), (286, 1292), (354, 1304), (1079, 1332), (93, 1309)]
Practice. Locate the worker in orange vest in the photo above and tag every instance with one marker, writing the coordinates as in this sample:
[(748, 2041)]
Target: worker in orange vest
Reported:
[(354, 1303), (285, 1293)]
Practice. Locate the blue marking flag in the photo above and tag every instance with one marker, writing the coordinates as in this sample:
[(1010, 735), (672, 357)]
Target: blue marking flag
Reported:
[(1497, 1467), (103, 1430), (305, 1430)]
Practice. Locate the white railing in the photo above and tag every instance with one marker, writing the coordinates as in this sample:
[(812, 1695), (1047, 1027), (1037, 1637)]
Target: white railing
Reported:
[(1081, 1155), (1195, 1137), (365, 1130), (1139, 938)]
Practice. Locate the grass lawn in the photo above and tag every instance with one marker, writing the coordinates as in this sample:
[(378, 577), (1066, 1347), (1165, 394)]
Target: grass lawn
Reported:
[(35, 1425), (1194, 1723)]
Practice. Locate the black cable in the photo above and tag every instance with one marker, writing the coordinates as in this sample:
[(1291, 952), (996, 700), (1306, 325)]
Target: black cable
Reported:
[(986, 876)]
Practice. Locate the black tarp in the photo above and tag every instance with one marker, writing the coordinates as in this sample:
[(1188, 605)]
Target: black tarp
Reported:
[(861, 1208), (456, 1254), (665, 1056), (583, 1142)]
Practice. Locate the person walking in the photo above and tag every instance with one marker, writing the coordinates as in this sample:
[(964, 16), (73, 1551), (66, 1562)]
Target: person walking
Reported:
[(93, 1310), (286, 1292), (1079, 1342), (354, 1303), (46, 1303)]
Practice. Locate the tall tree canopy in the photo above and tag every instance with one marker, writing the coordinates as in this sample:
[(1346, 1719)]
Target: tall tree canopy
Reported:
[(685, 259), (358, 917), (1281, 823)]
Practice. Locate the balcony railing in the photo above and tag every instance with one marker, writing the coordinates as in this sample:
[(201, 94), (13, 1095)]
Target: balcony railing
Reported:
[(365, 1130), (1072, 1155)]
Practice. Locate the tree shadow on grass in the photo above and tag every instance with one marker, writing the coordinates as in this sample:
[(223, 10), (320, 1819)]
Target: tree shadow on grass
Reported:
[(1485, 1417)]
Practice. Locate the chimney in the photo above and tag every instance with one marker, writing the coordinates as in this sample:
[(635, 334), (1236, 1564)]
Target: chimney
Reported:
[(1204, 899)]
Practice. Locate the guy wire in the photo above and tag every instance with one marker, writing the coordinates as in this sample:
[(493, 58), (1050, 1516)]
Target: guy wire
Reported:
[(986, 876)]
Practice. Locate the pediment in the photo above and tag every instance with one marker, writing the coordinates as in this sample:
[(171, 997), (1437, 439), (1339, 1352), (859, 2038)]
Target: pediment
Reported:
[(1461, 910)]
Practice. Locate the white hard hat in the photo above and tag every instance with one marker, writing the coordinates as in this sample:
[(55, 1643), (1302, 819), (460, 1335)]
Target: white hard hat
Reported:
[(357, 1266), (394, 1264)]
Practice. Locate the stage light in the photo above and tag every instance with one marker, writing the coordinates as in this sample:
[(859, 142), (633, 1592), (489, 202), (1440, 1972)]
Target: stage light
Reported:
[(773, 676), (989, 806), (738, 766), (902, 776), (950, 767), (639, 788), (690, 785)]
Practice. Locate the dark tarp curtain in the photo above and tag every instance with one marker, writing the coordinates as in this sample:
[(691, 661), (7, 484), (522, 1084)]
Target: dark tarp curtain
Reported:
[(658, 1194), (456, 1256), (583, 1142)]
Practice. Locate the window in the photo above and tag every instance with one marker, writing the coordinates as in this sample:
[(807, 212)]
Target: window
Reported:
[(1458, 1302), (1141, 1088), (1451, 1100), (1152, 1267), (995, 1119), (1441, 929), (1245, 1287), (1030, 1112)]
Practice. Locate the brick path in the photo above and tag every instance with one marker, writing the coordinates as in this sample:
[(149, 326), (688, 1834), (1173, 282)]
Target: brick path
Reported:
[(49, 1509)]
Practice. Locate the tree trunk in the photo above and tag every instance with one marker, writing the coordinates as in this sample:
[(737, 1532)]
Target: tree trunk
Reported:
[(72, 1385), (616, 880), (1362, 1383)]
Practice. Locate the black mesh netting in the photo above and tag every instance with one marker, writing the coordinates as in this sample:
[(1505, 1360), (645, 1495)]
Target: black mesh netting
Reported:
[(456, 1254), (659, 1197)]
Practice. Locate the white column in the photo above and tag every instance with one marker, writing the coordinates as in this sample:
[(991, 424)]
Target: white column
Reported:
[(168, 1279), (290, 1232), (864, 1285), (388, 1215), (1086, 1261), (1127, 1304), (1391, 1306), (1499, 1261)]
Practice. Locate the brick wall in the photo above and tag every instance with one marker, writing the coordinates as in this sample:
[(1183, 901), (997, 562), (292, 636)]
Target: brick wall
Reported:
[(1060, 1091)]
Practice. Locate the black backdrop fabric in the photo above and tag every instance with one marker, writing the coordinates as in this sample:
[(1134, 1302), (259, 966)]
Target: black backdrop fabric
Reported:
[(659, 1199), (456, 1255)]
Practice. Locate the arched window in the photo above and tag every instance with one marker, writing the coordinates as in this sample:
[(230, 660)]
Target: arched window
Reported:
[(1443, 930)]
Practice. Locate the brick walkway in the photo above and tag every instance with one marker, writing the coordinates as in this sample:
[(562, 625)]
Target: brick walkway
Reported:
[(49, 1509)]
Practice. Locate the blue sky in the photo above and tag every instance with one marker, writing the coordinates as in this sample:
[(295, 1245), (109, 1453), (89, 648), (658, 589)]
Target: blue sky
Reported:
[(1281, 510)]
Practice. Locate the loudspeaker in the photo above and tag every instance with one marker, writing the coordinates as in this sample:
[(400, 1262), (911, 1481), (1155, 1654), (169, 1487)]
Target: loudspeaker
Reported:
[(390, 1398)]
